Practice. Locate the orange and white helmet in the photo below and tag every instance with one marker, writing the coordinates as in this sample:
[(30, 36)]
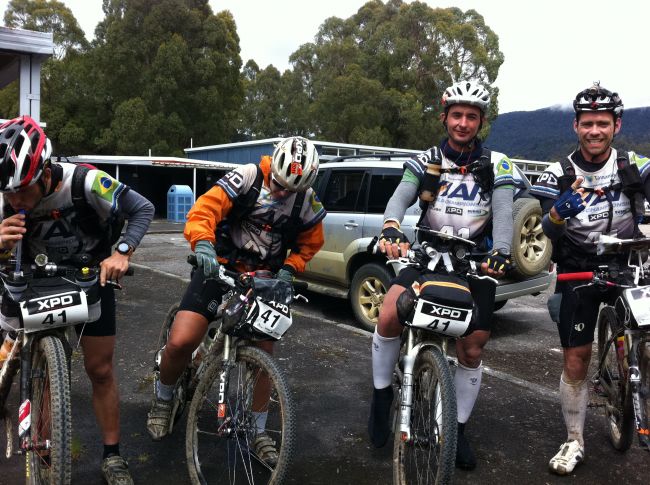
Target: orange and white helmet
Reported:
[(24, 149), (466, 92), (295, 163)]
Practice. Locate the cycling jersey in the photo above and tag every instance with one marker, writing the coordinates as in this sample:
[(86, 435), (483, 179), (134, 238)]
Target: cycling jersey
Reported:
[(461, 206), (260, 230), (51, 225), (584, 229)]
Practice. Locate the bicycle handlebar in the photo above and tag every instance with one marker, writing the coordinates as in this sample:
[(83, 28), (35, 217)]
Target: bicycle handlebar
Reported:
[(577, 276)]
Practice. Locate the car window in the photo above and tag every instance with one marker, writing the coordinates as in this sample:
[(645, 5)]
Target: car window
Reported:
[(382, 187), (342, 191)]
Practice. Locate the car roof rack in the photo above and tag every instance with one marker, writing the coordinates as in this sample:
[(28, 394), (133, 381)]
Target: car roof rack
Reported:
[(371, 156)]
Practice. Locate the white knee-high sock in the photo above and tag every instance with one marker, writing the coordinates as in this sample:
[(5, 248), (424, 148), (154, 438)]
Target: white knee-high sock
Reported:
[(467, 382), (385, 352), (574, 397)]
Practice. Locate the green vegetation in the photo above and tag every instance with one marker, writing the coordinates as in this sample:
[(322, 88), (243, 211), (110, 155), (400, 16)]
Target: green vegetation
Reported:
[(160, 73)]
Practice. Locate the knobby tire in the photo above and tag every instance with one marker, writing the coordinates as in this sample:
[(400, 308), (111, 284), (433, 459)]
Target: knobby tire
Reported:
[(51, 415), (226, 459), (430, 457)]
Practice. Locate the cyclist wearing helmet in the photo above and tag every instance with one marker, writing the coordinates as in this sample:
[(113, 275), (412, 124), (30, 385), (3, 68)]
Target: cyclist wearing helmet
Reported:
[(248, 220), (38, 212), (465, 190), (580, 197)]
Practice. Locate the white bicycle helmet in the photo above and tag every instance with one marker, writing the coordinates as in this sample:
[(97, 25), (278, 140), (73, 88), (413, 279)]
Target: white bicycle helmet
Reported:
[(24, 150), (466, 92), (295, 163), (597, 98)]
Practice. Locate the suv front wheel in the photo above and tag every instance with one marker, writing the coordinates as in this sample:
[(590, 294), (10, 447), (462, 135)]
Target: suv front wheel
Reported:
[(369, 286)]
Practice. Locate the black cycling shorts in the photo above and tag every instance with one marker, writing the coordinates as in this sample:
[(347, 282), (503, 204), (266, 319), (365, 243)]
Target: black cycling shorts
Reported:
[(483, 292), (105, 326), (579, 312), (202, 296)]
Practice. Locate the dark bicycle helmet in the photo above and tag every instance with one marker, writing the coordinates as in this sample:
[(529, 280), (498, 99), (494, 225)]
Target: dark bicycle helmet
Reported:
[(24, 150), (597, 98)]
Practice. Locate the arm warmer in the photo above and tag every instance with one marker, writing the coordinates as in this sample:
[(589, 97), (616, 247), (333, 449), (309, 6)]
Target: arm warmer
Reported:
[(403, 197), (502, 218), (139, 214)]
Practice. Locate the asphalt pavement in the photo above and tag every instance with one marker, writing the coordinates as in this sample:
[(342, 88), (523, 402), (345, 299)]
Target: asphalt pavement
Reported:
[(515, 428)]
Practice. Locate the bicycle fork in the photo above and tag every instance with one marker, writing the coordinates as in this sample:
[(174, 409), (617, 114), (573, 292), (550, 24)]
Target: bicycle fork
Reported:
[(406, 391), (632, 342), (223, 421)]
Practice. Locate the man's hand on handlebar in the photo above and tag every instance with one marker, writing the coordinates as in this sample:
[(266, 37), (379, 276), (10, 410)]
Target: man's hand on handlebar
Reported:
[(392, 241), (11, 231), (496, 264), (113, 268)]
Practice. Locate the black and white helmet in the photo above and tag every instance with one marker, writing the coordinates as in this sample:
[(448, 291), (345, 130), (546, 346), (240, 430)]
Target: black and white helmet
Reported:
[(466, 92), (295, 163), (597, 98)]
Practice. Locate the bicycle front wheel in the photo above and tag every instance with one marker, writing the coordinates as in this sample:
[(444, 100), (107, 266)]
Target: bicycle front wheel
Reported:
[(257, 400), (429, 456), (51, 427), (619, 413)]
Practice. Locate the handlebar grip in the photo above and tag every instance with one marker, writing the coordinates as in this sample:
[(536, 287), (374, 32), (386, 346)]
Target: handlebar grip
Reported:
[(191, 259), (299, 286), (578, 276), (373, 246)]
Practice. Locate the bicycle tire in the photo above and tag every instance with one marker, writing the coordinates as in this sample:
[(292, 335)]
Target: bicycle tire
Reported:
[(51, 414), (208, 453), (619, 413), (433, 417)]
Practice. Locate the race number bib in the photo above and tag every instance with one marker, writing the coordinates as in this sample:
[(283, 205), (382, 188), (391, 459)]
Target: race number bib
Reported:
[(273, 319), (52, 311), (442, 319)]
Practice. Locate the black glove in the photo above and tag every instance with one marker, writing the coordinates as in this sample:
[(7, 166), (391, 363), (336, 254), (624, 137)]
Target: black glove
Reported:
[(498, 260), (392, 235)]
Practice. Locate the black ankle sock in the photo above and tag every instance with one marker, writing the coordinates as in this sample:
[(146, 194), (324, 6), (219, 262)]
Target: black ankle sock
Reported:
[(111, 450)]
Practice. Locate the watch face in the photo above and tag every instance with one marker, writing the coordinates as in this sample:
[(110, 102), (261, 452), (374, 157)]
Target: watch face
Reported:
[(123, 248)]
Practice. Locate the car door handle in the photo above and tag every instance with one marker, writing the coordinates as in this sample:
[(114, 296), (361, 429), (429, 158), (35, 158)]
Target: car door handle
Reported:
[(350, 224)]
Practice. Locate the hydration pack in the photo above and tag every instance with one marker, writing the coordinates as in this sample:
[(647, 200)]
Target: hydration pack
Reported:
[(243, 205)]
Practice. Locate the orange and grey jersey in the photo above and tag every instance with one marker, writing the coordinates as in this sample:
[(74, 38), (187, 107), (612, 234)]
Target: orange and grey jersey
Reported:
[(259, 232)]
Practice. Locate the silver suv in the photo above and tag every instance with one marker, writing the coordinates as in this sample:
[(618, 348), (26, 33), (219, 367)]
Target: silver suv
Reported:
[(355, 191)]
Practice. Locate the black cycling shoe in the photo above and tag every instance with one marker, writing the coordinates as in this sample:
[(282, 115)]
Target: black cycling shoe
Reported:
[(378, 425), (465, 459)]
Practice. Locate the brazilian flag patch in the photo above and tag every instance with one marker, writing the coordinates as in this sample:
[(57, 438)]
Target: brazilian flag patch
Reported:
[(505, 167), (105, 186)]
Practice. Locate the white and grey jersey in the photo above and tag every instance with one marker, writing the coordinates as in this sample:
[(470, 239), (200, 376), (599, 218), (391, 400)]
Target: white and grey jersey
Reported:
[(460, 207), (51, 224), (584, 229)]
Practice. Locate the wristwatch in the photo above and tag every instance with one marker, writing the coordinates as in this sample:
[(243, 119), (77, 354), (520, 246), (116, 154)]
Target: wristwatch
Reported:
[(125, 249)]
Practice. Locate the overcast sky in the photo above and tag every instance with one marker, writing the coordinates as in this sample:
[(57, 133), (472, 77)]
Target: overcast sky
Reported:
[(552, 48)]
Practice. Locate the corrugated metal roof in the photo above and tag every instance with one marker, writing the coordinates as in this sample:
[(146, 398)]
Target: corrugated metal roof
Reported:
[(26, 41)]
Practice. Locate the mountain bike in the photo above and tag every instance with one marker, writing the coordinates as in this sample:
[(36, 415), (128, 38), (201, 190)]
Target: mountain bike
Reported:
[(425, 418), (44, 302), (623, 375), (226, 377)]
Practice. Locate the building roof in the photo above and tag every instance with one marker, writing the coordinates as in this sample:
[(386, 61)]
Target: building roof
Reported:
[(151, 161)]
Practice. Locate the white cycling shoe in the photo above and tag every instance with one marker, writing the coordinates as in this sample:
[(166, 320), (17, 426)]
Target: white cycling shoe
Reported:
[(571, 453)]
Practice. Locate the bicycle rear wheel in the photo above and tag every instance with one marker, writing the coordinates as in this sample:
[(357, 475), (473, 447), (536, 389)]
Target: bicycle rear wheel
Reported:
[(51, 427), (619, 413), (222, 452), (429, 457)]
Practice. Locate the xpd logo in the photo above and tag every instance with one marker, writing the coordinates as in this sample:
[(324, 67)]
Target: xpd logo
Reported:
[(547, 178), (454, 210), (599, 216)]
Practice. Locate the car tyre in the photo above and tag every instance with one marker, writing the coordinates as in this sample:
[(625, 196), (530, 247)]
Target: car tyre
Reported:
[(531, 249), (369, 286)]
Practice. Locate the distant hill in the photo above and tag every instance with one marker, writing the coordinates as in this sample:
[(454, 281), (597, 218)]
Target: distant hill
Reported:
[(547, 134)]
